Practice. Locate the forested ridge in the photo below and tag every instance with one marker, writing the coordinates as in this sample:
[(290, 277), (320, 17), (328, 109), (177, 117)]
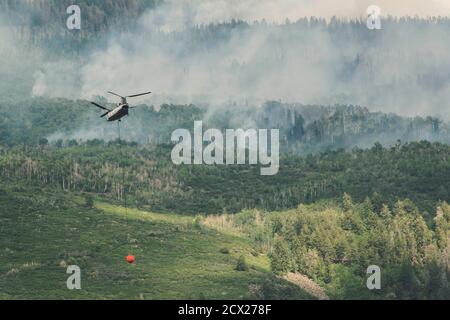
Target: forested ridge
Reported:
[(419, 171), (394, 212), (303, 128), (356, 187), (325, 151), (333, 243), (43, 22)]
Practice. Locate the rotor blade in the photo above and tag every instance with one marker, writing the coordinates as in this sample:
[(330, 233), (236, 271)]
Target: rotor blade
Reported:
[(137, 95), (99, 106), (118, 95), (104, 114)]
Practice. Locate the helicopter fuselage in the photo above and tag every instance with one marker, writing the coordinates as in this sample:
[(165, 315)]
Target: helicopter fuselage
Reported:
[(121, 109), (118, 113)]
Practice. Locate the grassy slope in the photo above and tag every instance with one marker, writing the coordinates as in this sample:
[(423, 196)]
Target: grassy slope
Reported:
[(41, 232)]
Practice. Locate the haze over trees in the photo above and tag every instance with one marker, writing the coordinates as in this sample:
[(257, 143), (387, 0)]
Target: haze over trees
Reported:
[(310, 61), (356, 186)]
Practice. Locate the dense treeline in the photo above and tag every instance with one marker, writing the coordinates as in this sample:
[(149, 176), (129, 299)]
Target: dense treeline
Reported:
[(303, 128), (313, 128), (147, 176), (62, 145), (335, 244), (43, 120), (43, 22)]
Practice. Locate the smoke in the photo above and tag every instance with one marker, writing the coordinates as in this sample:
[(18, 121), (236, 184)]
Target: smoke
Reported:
[(17, 65), (176, 14), (400, 68), (57, 79), (182, 53)]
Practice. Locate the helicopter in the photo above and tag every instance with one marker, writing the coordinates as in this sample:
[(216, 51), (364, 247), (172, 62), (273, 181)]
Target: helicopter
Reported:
[(121, 110)]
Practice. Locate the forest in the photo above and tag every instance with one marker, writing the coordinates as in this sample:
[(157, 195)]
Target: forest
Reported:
[(326, 151), (334, 243), (364, 174), (42, 22), (326, 216), (417, 170), (303, 128)]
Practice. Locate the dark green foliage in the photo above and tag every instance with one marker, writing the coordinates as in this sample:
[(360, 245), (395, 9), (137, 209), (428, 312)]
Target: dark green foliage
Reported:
[(43, 146), (280, 257), (28, 121), (412, 256), (274, 290), (331, 244), (43, 231), (43, 142), (89, 201), (43, 22), (241, 264), (151, 179)]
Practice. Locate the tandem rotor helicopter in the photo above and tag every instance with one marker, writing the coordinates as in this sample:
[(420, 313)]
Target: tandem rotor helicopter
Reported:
[(121, 110)]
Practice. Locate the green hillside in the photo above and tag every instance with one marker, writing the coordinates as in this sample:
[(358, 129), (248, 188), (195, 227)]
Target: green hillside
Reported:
[(333, 243), (42, 232), (419, 171), (364, 153), (196, 225)]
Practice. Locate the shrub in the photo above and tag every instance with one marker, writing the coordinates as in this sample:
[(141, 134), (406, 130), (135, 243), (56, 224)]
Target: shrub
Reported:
[(198, 221), (241, 264), (89, 201), (280, 257)]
